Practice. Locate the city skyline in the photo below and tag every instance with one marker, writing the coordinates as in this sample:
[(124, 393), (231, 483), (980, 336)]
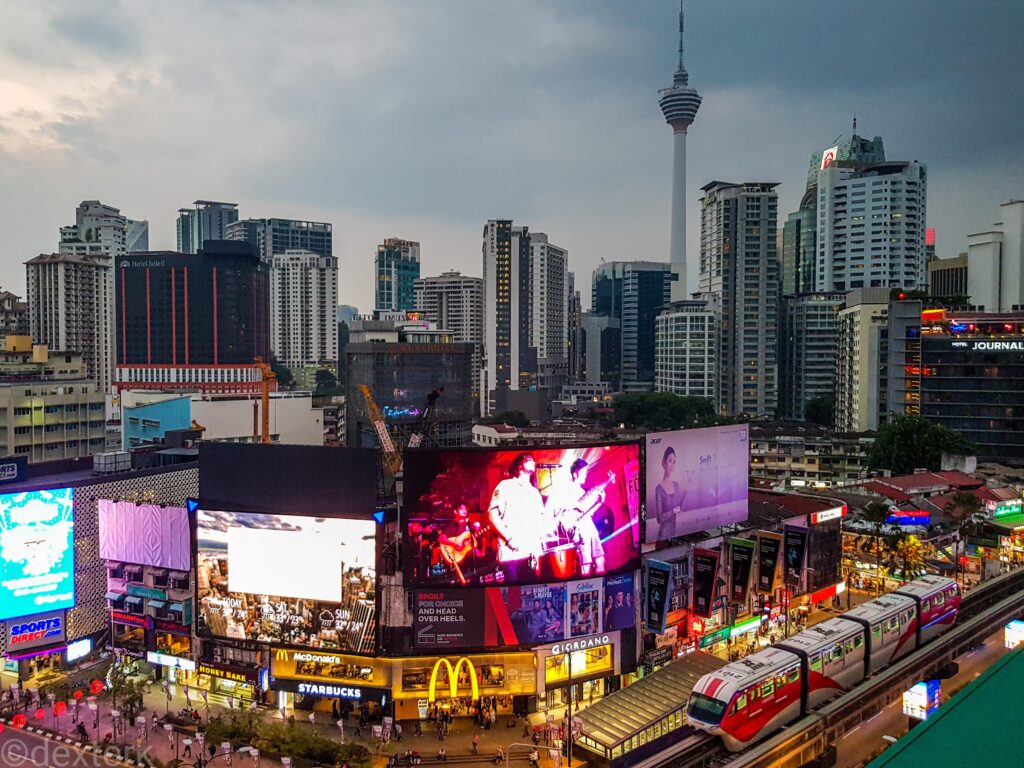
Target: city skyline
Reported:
[(89, 112)]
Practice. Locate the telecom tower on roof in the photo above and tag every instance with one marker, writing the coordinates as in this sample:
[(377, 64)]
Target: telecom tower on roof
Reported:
[(679, 104)]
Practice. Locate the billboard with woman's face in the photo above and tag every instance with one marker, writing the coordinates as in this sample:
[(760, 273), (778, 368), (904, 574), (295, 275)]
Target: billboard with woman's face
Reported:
[(696, 480)]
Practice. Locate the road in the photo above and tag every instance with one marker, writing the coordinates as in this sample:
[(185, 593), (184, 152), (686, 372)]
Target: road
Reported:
[(866, 740), (21, 749)]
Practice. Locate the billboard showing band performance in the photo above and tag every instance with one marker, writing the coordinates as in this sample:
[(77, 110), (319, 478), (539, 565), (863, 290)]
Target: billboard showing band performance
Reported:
[(287, 579), (518, 517), (696, 480)]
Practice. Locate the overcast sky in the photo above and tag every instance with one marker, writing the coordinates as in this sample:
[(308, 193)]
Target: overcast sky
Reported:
[(422, 120)]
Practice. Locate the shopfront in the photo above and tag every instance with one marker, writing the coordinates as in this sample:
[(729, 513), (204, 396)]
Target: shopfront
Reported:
[(587, 668), (458, 685), (175, 669), (35, 646), (128, 632), (314, 679), (228, 680)]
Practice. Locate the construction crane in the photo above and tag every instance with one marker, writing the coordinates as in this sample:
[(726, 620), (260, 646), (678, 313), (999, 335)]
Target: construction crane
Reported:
[(390, 457), (268, 376), (426, 418)]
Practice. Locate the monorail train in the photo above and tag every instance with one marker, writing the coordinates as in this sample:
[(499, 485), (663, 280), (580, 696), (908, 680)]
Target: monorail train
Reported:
[(749, 699)]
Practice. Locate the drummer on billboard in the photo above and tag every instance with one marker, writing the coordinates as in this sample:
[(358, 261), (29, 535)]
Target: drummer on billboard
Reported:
[(574, 506), (516, 514)]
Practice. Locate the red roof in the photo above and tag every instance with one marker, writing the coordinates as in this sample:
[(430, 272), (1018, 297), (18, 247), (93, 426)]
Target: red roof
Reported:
[(884, 490), (911, 483), (961, 480), (798, 504)]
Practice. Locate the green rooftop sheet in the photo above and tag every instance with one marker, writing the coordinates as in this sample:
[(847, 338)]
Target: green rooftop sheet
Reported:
[(978, 726)]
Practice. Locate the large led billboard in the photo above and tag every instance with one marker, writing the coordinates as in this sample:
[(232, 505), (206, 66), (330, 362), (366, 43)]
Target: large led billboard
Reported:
[(515, 517), (37, 553), (287, 579), (696, 480)]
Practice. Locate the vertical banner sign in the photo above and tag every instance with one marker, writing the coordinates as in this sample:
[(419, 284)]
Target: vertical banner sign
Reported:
[(659, 577), (705, 573), (740, 567), (768, 547), (796, 545)]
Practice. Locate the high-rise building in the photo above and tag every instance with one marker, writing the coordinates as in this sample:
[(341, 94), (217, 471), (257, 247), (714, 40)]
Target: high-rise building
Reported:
[(549, 332), (948, 277), (98, 229), (455, 302), (574, 327), (71, 305), (509, 361), (601, 344), (871, 226), (799, 247), (860, 359), (303, 307), (397, 267), (995, 269), (633, 292), (136, 235), (679, 104), (808, 345), (739, 272), (272, 236), (206, 220), (13, 315), (193, 321), (685, 347)]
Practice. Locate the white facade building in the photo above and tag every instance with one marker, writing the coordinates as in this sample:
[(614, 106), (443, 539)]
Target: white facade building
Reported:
[(98, 229), (685, 342), (454, 302), (71, 307), (739, 273), (858, 360), (871, 226), (995, 262), (549, 310), (303, 301)]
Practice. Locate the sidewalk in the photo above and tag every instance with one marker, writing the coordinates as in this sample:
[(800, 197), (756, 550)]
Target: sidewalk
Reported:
[(457, 743)]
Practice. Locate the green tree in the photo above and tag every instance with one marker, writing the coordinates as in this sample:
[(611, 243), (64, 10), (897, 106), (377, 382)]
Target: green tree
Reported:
[(905, 443), (285, 379), (325, 379), (512, 418), (907, 557), (821, 410), (966, 510), (662, 410)]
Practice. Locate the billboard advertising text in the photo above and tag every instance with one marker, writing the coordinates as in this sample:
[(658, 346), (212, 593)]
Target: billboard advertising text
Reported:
[(696, 480), (287, 579), (659, 583), (795, 546), (502, 617), (619, 600), (741, 562), (705, 579), (769, 547), (37, 555), (493, 518)]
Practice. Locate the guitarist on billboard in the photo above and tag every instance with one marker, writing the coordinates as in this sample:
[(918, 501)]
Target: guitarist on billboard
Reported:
[(574, 509), (516, 514), (459, 540)]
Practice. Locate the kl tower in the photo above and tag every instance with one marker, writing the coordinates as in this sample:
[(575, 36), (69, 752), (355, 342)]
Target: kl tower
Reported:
[(679, 104)]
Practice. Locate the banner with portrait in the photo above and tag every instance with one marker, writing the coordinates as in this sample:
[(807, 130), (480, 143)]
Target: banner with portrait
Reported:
[(795, 547), (769, 547), (659, 580), (705, 575), (741, 565)]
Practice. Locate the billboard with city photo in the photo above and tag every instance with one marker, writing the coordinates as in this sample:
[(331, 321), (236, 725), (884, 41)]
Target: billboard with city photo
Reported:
[(287, 579), (696, 480), (37, 554), (523, 516)]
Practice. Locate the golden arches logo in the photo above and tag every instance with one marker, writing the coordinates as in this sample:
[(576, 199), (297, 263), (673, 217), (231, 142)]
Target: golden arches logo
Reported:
[(281, 654), (453, 678)]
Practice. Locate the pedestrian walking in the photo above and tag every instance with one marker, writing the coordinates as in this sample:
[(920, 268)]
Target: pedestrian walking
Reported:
[(476, 742), (188, 747), (398, 731), (419, 728)]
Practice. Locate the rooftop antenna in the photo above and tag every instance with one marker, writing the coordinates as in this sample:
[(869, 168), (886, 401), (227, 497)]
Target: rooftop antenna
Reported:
[(854, 122)]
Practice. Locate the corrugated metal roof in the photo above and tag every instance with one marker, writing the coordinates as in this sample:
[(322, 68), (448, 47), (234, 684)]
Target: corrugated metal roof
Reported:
[(626, 712)]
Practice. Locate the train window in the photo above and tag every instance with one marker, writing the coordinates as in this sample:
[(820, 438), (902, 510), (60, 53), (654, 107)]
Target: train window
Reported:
[(767, 688), (837, 652), (876, 631), (816, 663), (858, 641), (741, 702), (794, 675), (892, 623), (848, 646), (925, 605), (939, 599)]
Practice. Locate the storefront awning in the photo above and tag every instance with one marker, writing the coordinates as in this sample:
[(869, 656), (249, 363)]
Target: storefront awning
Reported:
[(157, 603), (1013, 522), (178, 607), (624, 713), (114, 596), (133, 600)]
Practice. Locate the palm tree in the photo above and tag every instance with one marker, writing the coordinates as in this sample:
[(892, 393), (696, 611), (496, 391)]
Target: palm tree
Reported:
[(876, 512), (966, 509), (908, 557)]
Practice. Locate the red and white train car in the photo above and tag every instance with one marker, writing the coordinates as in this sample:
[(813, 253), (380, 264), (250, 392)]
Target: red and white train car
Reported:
[(749, 699)]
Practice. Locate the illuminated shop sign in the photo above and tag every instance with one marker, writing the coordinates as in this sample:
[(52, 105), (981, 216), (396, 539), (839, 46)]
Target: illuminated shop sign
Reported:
[(79, 649), (998, 346), (582, 644), (163, 660), (828, 514), (453, 678), (145, 622), (330, 690), (234, 674), (45, 629), (335, 691), (829, 156), (922, 700)]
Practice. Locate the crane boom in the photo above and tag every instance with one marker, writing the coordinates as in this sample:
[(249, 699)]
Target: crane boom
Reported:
[(391, 457)]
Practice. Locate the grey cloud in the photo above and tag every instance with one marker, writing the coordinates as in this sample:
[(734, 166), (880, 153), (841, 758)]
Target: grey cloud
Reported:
[(101, 26)]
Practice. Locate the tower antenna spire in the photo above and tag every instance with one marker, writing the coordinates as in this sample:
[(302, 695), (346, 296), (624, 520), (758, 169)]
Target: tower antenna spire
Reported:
[(854, 122), (681, 77)]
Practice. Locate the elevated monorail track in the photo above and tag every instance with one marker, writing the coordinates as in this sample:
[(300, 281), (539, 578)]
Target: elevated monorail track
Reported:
[(982, 610)]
